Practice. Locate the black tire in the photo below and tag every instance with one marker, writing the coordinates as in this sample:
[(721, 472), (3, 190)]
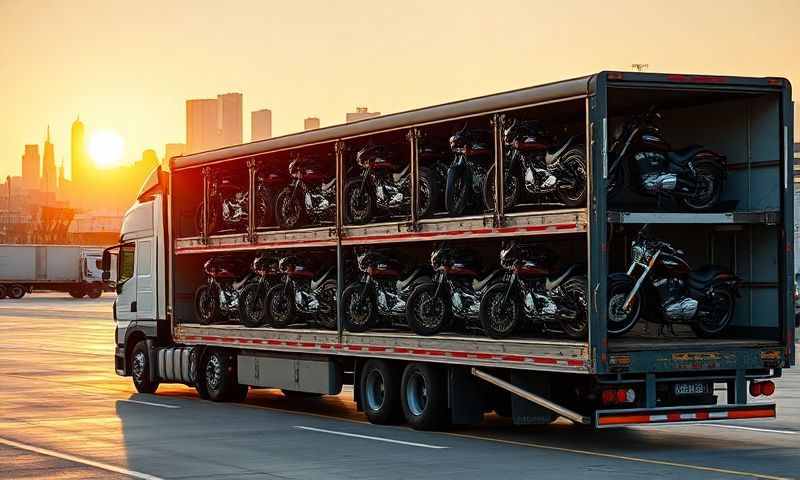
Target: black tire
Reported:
[(327, 317), (573, 163), (280, 305), (723, 309), (359, 202), (252, 305), (3, 292), (94, 292), (77, 293), (425, 314), (620, 321), (265, 208), (575, 295), (360, 314), (708, 177), (499, 321), (196, 367), (289, 212), (206, 305), (512, 189), (430, 193), (456, 193), (16, 291), (140, 369), (219, 369), (213, 220), (423, 394), (300, 395), (379, 387)]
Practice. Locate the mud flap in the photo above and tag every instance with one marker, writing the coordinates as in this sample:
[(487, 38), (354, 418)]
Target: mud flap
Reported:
[(525, 412), (465, 397)]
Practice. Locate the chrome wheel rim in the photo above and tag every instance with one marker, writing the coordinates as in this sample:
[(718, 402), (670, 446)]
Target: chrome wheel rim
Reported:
[(429, 310), (359, 309), (138, 366), (500, 318), (213, 372), (375, 390), (416, 394), (359, 204)]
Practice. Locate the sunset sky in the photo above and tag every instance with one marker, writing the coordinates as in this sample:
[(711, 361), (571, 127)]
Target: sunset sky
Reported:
[(129, 66)]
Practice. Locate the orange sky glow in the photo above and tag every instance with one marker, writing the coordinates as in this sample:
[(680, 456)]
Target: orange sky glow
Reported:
[(130, 66)]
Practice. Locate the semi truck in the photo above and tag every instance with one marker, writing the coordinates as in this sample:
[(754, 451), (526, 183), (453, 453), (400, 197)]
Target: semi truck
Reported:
[(655, 373), (73, 269)]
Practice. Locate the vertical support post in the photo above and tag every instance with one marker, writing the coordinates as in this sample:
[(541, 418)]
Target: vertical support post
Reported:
[(251, 200), (737, 389), (206, 172), (650, 390), (413, 140), (499, 170), (786, 236), (597, 160), (340, 180)]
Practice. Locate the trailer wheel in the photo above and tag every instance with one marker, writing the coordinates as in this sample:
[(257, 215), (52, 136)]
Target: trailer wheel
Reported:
[(16, 291), (94, 292), (3, 292), (77, 293), (380, 392), (424, 396), (219, 370), (140, 369)]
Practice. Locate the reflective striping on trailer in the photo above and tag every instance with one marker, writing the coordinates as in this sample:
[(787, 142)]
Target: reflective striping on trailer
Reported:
[(679, 416)]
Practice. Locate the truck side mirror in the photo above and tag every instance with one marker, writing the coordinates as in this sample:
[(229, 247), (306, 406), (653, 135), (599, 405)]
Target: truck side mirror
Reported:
[(105, 265)]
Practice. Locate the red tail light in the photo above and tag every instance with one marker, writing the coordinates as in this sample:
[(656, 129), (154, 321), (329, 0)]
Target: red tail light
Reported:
[(767, 388), (621, 395), (755, 389), (618, 396), (609, 397)]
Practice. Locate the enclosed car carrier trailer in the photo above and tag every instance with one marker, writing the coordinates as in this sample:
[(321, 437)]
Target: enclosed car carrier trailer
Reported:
[(648, 376)]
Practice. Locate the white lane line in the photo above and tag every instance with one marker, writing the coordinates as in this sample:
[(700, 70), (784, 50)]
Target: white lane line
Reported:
[(73, 458), (152, 404), (367, 437)]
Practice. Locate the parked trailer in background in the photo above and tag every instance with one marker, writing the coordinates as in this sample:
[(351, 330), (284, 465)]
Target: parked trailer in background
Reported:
[(186, 217), (71, 269)]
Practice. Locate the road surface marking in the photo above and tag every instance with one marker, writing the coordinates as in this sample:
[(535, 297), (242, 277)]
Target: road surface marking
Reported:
[(620, 457), (73, 458), (367, 437), (162, 405)]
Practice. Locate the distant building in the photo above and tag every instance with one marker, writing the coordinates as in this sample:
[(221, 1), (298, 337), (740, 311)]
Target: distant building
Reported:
[(213, 123), (31, 167), (173, 150), (311, 123), (360, 114), (260, 125), (49, 173), (229, 118), (79, 160)]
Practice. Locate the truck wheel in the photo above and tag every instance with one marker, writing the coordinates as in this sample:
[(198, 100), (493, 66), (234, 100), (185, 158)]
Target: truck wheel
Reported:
[(140, 369), (219, 370), (94, 292), (76, 293), (380, 392), (16, 291), (424, 396), (3, 292)]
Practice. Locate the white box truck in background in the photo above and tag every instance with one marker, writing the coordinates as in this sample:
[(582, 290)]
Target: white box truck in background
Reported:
[(73, 269)]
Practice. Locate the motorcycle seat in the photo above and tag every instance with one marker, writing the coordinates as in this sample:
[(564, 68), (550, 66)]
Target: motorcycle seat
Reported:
[(703, 276), (479, 284), (683, 155)]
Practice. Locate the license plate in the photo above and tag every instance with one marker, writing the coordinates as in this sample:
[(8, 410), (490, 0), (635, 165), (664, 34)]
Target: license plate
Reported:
[(690, 388)]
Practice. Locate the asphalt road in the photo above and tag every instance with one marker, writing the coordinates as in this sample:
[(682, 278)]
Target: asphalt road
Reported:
[(65, 414)]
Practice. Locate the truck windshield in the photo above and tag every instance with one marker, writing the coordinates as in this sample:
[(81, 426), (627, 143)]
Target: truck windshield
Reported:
[(126, 262)]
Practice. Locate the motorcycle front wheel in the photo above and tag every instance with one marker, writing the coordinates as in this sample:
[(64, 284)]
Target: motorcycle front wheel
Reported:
[(280, 305), (620, 321), (359, 308), (499, 318), (575, 295), (426, 313), (359, 202), (288, 210), (252, 306), (511, 190), (709, 186), (571, 188), (430, 192), (719, 316), (206, 305), (456, 193), (265, 208)]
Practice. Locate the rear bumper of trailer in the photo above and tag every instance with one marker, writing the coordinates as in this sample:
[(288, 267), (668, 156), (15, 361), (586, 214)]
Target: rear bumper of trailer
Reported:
[(673, 415)]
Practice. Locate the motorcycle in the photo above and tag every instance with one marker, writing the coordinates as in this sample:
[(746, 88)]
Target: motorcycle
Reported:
[(306, 293), (669, 292), (547, 168), (219, 298), (454, 293), (385, 185), (252, 309), (380, 297), (693, 176), (229, 203), (310, 197), (528, 291), (472, 151)]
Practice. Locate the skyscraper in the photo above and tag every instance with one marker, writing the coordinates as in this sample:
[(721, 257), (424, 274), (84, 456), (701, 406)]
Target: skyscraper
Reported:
[(31, 167), (79, 159), (311, 123), (360, 114), (173, 150), (260, 125), (229, 118), (213, 123), (49, 174)]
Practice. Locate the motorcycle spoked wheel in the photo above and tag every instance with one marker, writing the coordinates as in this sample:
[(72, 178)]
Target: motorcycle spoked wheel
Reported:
[(360, 311), (359, 202), (289, 211), (327, 318), (571, 191), (575, 293), (430, 192), (252, 306), (709, 187), (426, 313), (213, 220), (499, 319), (265, 209), (280, 305), (206, 305), (719, 317), (620, 321), (456, 195), (511, 190)]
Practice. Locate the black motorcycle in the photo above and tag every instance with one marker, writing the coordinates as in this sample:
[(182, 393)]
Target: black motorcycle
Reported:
[(380, 297), (219, 298), (550, 170), (228, 207), (252, 307), (385, 185), (311, 197), (640, 157), (552, 303), (306, 294), (472, 151), (453, 294), (667, 291)]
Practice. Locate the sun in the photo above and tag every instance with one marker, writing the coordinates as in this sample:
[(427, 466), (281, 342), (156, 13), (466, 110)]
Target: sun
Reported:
[(106, 148)]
